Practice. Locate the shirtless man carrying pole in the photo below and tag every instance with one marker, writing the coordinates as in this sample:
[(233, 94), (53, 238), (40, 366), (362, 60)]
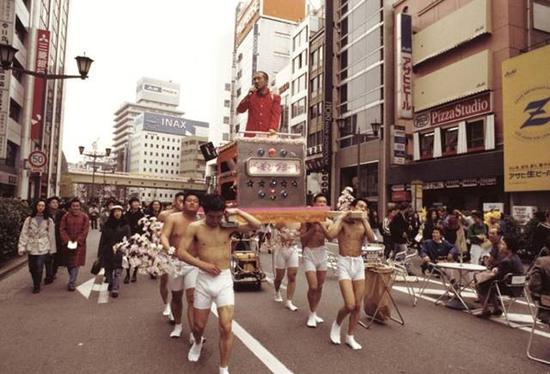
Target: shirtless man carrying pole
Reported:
[(172, 232), (177, 206), (351, 235), (313, 237), (214, 281)]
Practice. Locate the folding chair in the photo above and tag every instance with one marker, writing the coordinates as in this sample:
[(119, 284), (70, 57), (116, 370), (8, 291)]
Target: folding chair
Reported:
[(514, 289), (543, 304), (401, 264)]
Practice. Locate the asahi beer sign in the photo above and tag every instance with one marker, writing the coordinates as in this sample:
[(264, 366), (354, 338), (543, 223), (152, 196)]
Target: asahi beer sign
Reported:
[(455, 112), (404, 70)]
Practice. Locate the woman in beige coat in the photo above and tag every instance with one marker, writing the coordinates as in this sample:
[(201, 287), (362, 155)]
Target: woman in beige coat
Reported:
[(37, 239)]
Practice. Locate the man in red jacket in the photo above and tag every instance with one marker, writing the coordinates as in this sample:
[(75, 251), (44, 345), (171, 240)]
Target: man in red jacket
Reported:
[(264, 108)]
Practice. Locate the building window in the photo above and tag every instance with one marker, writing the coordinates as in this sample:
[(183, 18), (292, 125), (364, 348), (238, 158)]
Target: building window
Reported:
[(426, 145), (449, 140), (226, 120), (15, 110), (298, 107), (226, 103), (228, 86), (475, 135)]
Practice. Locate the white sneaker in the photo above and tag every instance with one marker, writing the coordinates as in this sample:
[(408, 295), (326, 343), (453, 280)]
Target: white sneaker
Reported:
[(224, 370), (291, 306), (311, 321), (350, 340), (191, 338), (167, 311), (317, 318), (195, 351), (335, 333), (176, 332), (278, 298)]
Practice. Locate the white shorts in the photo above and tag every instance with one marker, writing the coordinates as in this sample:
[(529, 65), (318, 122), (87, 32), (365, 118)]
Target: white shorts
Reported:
[(351, 268), (185, 281), (287, 257), (315, 259), (214, 289)]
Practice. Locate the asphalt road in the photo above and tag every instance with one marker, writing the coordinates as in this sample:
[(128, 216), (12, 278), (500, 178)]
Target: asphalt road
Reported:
[(58, 331)]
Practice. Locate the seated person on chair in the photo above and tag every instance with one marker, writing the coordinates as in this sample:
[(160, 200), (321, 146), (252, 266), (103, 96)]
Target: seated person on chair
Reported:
[(539, 282), (492, 259), (509, 263), (437, 249)]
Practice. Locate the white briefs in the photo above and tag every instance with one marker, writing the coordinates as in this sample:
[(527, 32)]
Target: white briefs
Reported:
[(351, 268), (216, 289), (315, 259), (185, 281), (287, 257)]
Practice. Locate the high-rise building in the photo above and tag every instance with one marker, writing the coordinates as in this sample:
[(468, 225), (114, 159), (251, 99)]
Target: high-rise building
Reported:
[(31, 110), (167, 147), (449, 101), (363, 99), (299, 61), (152, 95), (262, 42)]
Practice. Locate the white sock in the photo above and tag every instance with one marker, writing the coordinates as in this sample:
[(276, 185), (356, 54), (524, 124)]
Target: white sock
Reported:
[(191, 338), (195, 351), (335, 333), (311, 321), (176, 332), (278, 298), (317, 318), (291, 306), (224, 370), (350, 340), (167, 310)]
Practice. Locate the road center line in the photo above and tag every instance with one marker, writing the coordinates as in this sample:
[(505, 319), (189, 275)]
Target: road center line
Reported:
[(270, 361)]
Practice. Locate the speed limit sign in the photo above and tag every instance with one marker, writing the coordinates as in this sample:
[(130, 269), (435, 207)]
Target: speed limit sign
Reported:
[(37, 161)]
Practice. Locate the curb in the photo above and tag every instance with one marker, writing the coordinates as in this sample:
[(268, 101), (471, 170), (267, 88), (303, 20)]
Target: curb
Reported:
[(12, 265)]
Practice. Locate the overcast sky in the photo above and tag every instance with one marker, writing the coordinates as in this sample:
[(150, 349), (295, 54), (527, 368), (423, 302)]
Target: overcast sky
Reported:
[(185, 41)]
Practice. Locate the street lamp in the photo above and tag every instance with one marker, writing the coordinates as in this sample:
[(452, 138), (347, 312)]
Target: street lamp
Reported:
[(8, 52), (94, 155), (359, 138)]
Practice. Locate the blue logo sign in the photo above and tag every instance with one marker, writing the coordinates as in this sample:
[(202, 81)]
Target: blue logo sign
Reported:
[(170, 124), (536, 109)]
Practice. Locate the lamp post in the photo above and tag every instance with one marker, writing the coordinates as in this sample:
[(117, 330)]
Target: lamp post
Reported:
[(94, 155), (7, 54), (359, 138)]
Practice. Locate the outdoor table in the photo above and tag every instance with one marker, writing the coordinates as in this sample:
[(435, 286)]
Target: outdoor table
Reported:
[(460, 284), (378, 302)]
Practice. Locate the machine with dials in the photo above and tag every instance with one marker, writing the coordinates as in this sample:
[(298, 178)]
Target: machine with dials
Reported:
[(263, 171)]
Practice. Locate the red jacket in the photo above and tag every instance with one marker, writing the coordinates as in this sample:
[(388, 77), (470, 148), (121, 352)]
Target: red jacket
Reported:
[(264, 111)]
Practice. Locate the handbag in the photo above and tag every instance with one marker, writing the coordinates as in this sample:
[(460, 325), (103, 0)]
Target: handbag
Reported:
[(96, 267)]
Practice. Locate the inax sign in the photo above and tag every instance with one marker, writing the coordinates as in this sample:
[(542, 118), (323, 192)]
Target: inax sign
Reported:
[(172, 125), (455, 112)]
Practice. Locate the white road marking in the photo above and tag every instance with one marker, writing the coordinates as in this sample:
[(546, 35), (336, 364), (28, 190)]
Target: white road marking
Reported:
[(270, 361), (86, 288), (103, 294)]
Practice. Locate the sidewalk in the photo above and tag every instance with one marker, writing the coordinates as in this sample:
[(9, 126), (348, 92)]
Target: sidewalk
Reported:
[(12, 265), (15, 263)]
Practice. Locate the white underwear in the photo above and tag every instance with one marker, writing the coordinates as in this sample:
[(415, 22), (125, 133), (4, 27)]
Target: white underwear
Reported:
[(216, 289)]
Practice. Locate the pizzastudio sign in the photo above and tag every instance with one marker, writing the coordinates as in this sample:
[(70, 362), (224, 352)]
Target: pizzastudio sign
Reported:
[(455, 112)]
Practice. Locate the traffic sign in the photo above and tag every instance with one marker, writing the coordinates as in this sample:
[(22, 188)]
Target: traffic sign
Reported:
[(37, 161)]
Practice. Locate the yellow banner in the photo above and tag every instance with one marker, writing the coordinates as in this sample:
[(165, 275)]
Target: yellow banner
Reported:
[(526, 106)]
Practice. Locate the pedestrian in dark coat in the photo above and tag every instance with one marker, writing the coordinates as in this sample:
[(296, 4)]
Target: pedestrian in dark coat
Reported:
[(114, 231), (55, 212), (133, 215), (73, 229)]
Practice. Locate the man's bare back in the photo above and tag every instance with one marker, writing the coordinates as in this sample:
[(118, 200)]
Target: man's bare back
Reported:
[(166, 213)]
